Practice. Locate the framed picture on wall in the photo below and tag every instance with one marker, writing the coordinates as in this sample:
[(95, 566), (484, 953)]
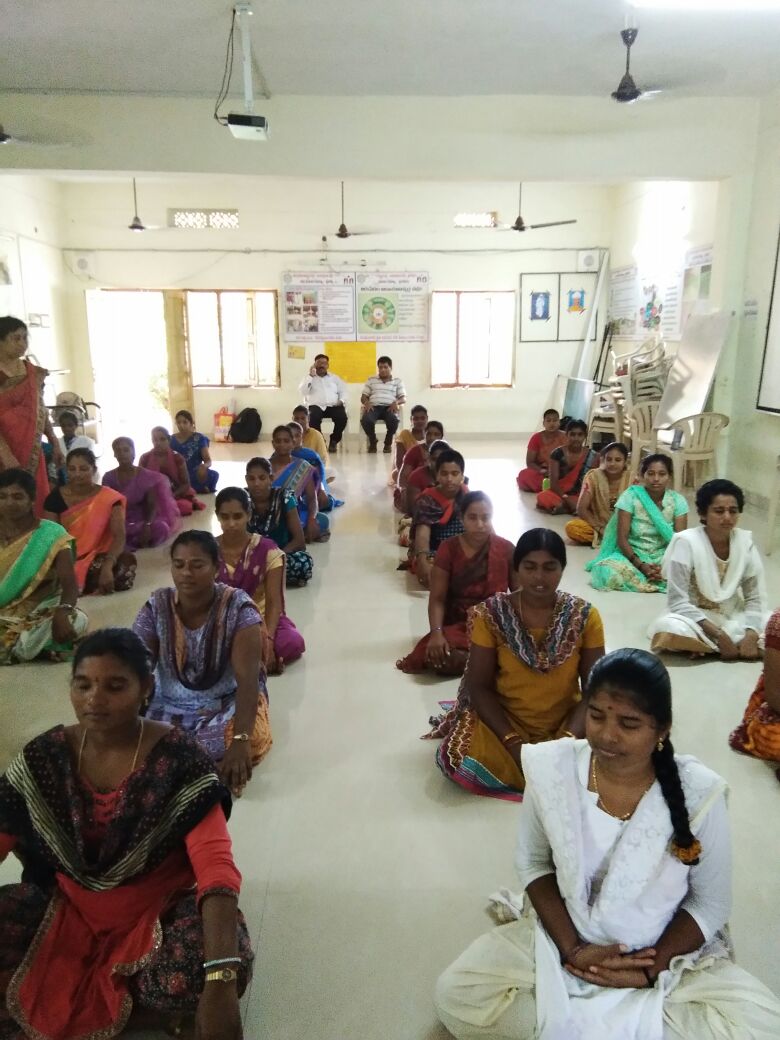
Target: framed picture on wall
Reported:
[(576, 303), (539, 307)]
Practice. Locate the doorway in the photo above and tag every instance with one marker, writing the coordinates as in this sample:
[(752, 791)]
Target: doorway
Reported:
[(128, 344)]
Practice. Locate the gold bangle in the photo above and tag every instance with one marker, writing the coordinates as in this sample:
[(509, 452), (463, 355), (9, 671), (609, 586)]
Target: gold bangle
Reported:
[(568, 733), (511, 738)]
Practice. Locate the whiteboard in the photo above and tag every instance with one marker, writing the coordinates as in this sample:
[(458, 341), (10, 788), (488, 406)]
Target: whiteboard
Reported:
[(689, 381), (769, 384)]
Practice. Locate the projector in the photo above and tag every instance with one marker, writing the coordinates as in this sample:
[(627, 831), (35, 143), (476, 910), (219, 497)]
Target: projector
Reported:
[(248, 128)]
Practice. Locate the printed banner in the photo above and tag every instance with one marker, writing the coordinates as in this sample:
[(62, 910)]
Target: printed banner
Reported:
[(318, 306), (392, 306)]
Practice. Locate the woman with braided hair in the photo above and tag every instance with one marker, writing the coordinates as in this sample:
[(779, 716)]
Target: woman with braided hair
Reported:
[(624, 857)]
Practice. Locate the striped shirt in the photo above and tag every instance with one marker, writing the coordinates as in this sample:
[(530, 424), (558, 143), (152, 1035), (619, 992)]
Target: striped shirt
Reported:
[(381, 393)]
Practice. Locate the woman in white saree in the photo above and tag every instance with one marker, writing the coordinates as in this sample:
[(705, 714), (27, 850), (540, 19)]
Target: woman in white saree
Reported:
[(715, 583), (624, 857)]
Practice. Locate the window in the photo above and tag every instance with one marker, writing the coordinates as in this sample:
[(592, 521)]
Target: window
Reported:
[(203, 219), (472, 338), (233, 338)]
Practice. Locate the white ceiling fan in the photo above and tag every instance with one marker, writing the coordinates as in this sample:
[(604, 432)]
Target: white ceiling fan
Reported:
[(627, 91)]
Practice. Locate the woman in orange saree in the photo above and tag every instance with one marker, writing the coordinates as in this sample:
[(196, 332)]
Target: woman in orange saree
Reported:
[(23, 416), (95, 516)]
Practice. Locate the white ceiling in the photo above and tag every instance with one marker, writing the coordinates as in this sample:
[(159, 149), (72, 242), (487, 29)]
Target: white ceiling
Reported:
[(400, 47)]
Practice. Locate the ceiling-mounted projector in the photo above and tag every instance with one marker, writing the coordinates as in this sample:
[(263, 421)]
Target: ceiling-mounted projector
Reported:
[(248, 127)]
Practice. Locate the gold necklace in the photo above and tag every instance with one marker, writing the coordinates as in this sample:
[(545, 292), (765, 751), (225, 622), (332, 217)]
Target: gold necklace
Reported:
[(600, 801), (135, 756)]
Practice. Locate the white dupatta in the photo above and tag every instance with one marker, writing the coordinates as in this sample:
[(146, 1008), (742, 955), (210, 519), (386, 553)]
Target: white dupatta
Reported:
[(642, 890), (743, 561)]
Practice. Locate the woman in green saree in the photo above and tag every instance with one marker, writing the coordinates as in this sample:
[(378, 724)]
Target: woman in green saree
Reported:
[(38, 589), (635, 539)]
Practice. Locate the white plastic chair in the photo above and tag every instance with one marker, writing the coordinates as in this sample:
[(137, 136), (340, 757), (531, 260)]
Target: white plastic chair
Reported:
[(643, 436), (774, 498), (700, 435)]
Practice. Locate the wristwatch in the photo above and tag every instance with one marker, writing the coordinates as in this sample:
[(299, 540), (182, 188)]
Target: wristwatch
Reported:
[(223, 975), (240, 736)]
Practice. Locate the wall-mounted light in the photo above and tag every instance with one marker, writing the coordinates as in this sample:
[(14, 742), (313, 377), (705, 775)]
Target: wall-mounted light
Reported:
[(475, 220)]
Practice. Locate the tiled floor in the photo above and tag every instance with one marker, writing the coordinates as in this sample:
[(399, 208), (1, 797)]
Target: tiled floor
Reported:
[(365, 872)]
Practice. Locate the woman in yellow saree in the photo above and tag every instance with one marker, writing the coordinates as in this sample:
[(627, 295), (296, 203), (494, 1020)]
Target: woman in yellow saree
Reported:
[(95, 517), (38, 613)]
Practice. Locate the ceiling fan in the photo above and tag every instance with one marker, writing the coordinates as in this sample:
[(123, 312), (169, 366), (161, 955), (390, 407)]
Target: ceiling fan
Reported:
[(34, 142), (520, 224), (343, 231), (627, 91), (136, 224)]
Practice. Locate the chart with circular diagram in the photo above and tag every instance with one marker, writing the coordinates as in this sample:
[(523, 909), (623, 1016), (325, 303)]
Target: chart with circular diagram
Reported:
[(378, 314)]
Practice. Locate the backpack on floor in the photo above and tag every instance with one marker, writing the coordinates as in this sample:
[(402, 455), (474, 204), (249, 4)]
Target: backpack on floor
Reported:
[(246, 427)]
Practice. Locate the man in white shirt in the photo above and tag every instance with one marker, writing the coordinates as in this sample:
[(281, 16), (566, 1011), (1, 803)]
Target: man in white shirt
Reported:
[(382, 396), (326, 396)]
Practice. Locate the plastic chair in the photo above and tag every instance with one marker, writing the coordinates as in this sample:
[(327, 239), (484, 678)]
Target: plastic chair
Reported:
[(604, 416), (643, 436), (68, 401), (700, 435)]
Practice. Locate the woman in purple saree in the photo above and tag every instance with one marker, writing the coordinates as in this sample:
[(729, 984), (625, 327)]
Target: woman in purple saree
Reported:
[(152, 514)]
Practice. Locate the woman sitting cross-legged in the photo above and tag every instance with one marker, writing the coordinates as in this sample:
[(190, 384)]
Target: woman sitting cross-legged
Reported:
[(624, 856), (437, 514), (194, 449), (256, 565), (646, 517), (466, 570), (300, 478), (151, 515), (38, 588), (274, 514), (715, 583), (326, 500), (95, 516), (163, 459), (759, 732), (540, 446), (531, 651), (206, 642), (128, 908), (601, 489), (567, 467), (407, 439)]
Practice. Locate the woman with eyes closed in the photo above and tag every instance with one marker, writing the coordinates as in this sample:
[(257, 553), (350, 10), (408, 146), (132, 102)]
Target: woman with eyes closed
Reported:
[(206, 641), (715, 583), (531, 651), (127, 909), (624, 857)]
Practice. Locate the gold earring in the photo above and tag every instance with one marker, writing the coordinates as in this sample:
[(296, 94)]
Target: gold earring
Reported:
[(659, 746)]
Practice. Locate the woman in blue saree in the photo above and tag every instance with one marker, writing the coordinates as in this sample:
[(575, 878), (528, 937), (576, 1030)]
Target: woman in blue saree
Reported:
[(326, 500), (301, 479), (646, 517)]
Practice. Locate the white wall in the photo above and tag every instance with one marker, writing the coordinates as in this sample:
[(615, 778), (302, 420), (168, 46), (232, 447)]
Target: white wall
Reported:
[(758, 445), (31, 210), (282, 222)]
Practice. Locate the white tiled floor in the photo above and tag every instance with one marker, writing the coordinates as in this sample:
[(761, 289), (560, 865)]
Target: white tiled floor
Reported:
[(365, 872)]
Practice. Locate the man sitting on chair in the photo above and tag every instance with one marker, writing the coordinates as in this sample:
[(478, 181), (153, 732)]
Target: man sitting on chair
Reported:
[(326, 396), (382, 396)]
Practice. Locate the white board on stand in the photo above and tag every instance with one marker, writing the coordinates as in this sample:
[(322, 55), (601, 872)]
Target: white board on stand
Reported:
[(693, 371)]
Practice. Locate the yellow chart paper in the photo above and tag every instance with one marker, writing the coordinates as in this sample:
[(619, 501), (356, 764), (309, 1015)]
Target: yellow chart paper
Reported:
[(354, 362)]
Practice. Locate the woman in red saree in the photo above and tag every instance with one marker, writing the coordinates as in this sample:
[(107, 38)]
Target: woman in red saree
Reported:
[(467, 569), (129, 897), (95, 517), (568, 466), (163, 459), (437, 515), (24, 419), (540, 447)]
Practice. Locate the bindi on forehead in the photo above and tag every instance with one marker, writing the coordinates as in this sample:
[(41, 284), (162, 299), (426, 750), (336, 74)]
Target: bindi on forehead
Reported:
[(621, 704)]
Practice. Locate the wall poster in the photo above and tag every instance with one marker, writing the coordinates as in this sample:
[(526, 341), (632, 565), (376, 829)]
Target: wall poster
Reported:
[(318, 306), (539, 304), (577, 300), (624, 299), (392, 306)]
